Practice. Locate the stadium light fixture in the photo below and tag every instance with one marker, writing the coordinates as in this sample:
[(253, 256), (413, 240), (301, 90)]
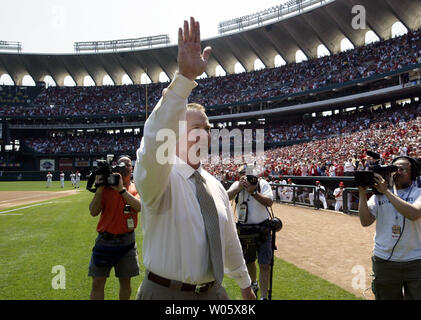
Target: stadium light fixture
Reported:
[(11, 45), (115, 45), (272, 14)]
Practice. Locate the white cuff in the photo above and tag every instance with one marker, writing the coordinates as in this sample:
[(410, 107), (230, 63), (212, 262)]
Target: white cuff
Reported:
[(182, 86)]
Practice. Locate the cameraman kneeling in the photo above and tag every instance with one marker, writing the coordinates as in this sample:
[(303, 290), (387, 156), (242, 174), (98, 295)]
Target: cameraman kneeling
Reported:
[(115, 245), (397, 249), (252, 200)]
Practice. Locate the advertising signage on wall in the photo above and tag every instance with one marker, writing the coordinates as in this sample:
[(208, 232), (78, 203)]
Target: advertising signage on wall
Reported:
[(47, 165), (82, 163), (65, 164)]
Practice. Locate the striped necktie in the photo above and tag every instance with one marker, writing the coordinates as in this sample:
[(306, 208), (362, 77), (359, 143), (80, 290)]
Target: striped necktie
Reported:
[(210, 218)]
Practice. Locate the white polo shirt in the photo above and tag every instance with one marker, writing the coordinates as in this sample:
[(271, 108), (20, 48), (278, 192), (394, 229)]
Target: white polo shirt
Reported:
[(409, 245)]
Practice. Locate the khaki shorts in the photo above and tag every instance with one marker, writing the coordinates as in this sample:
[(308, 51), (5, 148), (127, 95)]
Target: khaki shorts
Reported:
[(263, 253)]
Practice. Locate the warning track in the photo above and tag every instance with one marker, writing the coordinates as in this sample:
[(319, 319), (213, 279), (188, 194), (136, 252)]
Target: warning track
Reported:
[(326, 243)]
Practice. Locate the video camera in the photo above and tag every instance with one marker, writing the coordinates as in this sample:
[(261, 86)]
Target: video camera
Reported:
[(366, 178), (108, 171), (253, 180)]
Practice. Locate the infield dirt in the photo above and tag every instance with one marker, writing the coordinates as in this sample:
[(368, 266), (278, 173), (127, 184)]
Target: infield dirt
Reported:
[(17, 198)]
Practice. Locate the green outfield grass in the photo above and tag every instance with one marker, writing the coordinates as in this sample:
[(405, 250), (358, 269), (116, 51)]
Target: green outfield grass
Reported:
[(61, 232), (37, 186)]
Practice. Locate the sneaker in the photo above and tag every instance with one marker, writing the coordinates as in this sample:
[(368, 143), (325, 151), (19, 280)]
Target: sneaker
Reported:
[(255, 287), (264, 298)]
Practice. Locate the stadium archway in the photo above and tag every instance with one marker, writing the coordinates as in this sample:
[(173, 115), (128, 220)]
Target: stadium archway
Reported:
[(300, 56), (238, 68), (163, 77), (107, 81), (220, 72), (258, 65), (7, 80), (69, 82), (49, 81), (371, 37), (398, 29), (144, 79), (279, 61), (126, 80), (322, 51), (202, 76), (88, 82), (28, 81), (346, 44)]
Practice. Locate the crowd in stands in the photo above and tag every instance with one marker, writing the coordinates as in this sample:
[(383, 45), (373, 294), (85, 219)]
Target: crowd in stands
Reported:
[(79, 101), (341, 123), (337, 147), (362, 62), (88, 143), (392, 133)]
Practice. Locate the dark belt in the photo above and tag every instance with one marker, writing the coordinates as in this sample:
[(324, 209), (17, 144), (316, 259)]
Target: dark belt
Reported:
[(111, 236), (198, 288)]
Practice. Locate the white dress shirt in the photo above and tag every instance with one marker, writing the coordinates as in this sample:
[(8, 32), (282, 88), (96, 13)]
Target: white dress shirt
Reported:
[(174, 244)]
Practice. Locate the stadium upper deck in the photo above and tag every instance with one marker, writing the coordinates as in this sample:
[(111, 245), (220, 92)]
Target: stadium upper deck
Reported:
[(59, 112), (327, 24), (374, 62)]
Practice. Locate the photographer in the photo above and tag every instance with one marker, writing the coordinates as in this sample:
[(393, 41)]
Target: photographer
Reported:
[(397, 248), (253, 196), (115, 245)]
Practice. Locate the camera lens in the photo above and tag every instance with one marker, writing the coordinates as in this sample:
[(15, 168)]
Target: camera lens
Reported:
[(113, 180)]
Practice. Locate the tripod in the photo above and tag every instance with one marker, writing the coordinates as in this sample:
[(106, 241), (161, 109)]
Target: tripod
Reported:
[(271, 264)]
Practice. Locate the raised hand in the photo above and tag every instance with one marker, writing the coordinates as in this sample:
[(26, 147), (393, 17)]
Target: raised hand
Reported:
[(191, 60)]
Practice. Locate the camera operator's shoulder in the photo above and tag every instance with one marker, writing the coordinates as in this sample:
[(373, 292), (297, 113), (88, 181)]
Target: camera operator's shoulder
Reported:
[(417, 194), (263, 182), (264, 185), (132, 189)]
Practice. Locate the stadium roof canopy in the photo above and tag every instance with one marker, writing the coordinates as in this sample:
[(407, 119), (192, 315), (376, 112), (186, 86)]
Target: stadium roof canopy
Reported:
[(327, 24)]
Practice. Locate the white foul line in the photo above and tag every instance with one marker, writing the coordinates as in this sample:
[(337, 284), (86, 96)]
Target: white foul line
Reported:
[(34, 205)]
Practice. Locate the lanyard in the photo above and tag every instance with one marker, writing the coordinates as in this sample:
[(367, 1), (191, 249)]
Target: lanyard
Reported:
[(402, 197)]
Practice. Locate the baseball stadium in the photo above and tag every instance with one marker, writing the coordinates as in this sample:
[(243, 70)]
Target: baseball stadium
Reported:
[(329, 87)]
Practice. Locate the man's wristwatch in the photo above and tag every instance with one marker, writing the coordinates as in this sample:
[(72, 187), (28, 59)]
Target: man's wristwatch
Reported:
[(123, 191), (254, 193)]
